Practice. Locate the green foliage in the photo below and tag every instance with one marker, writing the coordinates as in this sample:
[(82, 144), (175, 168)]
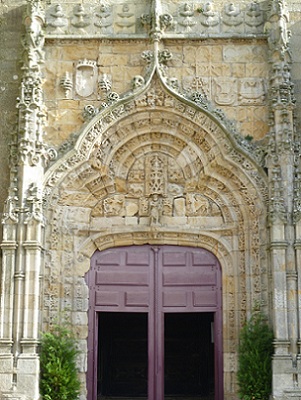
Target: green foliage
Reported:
[(255, 359), (249, 138), (59, 377)]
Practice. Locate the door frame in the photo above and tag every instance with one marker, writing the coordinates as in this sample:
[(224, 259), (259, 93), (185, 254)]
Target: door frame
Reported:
[(155, 328)]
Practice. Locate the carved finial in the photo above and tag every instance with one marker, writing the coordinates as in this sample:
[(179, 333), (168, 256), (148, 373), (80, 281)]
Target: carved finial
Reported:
[(11, 205), (67, 84), (156, 32), (104, 85)]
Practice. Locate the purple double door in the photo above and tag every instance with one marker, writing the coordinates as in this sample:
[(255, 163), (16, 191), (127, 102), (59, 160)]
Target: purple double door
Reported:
[(155, 324)]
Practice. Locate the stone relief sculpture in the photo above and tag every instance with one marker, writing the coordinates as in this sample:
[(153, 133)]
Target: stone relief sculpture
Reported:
[(104, 18), (232, 19), (137, 82), (232, 15), (251, 91), (186, 20), (81, 19), (57, 19), (225, 90), (155, 209), (156, 189), (254, 16), (126, 20), (209, 17)]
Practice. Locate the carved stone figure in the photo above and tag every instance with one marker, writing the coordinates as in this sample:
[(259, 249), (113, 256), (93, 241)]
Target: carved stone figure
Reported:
[(232, 15), (155, 210), (186, 20), (209, 17), (126, 20), (104, 16), (114, 206), (137, 82), (254, 16), (57, 18), (81, 18)]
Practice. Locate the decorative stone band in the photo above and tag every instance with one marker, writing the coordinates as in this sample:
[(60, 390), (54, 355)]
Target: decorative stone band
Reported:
[(136, 18)]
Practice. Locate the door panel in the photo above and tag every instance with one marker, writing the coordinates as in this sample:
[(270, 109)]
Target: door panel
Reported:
[(156, 281), (121, 281), (191, 282)]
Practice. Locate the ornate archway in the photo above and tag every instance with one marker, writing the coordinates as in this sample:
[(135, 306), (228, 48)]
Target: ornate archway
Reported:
[(158, 171)]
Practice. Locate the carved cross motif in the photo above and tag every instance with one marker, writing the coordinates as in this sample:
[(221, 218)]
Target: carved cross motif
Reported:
[(156, 174)]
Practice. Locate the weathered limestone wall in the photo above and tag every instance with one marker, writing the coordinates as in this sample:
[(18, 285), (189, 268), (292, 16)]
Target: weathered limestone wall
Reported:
[(233, 75)]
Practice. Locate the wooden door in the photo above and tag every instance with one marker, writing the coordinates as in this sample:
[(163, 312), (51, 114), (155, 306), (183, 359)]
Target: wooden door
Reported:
[(156, 281)]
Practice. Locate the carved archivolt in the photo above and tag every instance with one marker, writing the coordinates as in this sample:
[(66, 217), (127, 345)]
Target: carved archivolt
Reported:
[(160, 166), (156, 170), (153, 117)]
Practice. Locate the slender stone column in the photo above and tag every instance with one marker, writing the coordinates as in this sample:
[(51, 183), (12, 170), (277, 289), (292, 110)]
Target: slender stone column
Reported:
[(8, 247), (280, 163)]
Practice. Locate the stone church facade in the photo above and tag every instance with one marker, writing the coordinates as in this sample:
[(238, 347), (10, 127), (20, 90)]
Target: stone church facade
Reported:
[(143, 129)]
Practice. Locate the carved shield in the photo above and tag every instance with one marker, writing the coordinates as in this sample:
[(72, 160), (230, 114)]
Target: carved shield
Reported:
[(85, 78)]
